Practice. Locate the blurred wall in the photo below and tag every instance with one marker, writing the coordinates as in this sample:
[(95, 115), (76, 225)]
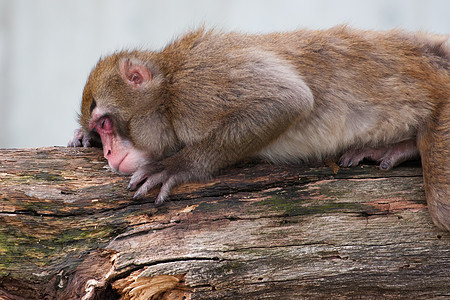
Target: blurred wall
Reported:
[(48, 47)]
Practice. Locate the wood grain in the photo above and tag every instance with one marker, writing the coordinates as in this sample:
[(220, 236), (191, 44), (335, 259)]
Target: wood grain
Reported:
[(70, 230)]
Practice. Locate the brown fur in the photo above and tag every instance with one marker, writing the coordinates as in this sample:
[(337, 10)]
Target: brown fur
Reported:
[(215, 98)]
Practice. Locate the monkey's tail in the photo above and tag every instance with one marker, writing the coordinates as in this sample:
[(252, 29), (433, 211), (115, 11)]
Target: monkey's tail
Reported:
[(434, 146)]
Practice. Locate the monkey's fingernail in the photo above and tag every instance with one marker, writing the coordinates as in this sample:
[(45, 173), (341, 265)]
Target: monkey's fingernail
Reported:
[(132, 186), (158, 203), (384, 166), (138, 195), (343, 163)]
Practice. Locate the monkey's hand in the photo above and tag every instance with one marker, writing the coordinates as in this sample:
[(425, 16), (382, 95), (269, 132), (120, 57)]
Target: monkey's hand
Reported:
[(82, 139), (150, 175)]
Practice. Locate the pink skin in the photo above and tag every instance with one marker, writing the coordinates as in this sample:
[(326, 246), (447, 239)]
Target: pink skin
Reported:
[(388, 156), (122, 156)]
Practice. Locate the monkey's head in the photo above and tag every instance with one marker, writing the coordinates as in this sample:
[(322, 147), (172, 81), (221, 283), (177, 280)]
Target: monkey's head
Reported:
[(124, 104)]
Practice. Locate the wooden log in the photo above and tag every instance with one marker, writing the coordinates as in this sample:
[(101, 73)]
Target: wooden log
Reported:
[(70, 230)]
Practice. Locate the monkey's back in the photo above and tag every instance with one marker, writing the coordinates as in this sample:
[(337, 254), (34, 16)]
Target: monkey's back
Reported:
[(370, 88)]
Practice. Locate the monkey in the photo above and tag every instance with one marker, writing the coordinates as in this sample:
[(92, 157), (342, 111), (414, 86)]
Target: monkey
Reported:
[(210, 99)]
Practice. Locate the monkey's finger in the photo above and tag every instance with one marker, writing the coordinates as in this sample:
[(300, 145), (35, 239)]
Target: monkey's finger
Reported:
[(138, 177), (350, 159), (144, 172), (386, 164), (148, 184), (132, 186), (165, 190), (86, 142), (399, 153), (76, 139), (79, 139), (74, 143)]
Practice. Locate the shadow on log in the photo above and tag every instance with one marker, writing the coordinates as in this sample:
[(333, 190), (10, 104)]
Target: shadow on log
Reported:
[(70, 230)]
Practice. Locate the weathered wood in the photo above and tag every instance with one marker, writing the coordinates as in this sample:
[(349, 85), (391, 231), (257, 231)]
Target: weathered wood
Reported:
[(70, 230)]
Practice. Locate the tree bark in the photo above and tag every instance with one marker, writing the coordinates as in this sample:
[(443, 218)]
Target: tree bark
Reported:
[(69, 229)]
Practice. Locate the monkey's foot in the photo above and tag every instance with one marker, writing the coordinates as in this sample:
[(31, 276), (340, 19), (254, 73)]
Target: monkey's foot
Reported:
[(388, 156)]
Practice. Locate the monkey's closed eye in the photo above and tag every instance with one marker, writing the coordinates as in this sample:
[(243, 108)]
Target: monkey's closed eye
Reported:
[(104, 125), (93, 105)]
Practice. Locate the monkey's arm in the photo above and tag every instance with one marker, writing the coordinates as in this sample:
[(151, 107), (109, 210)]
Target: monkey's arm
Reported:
[(239, 136), (275, 98)]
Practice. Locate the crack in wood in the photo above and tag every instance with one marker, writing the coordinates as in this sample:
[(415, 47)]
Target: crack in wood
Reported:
[(278, 246)]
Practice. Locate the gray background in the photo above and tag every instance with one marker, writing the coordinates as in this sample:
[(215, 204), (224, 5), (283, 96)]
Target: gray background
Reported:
[(48, 47)]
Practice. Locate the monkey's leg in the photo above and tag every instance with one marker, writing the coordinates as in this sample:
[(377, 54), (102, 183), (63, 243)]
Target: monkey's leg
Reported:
[(388, 156), (434, 146)]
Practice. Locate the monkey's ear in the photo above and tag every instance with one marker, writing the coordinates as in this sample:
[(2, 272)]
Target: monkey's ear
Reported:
[(135, 73)]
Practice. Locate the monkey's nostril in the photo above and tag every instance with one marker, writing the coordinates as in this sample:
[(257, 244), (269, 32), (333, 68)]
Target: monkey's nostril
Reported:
[(109, 153)]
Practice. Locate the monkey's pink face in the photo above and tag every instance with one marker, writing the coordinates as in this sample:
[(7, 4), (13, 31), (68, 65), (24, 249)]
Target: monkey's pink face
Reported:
[(122, 156)]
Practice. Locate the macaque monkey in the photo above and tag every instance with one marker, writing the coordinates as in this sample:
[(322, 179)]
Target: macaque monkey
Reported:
[(211, 99)]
